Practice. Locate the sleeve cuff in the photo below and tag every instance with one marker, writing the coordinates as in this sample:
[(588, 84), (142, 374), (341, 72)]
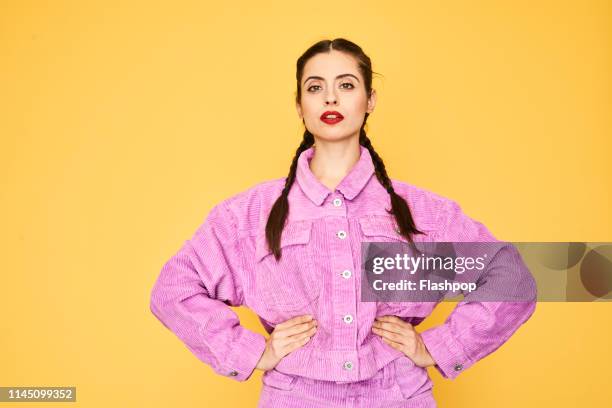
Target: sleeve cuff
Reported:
[(446, 351), (244, 355)]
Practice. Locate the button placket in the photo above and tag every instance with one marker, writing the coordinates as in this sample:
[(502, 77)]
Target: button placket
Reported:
[(345, 293)]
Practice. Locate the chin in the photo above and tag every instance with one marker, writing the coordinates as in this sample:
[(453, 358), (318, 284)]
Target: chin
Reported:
[(334, 135), (333, 138)]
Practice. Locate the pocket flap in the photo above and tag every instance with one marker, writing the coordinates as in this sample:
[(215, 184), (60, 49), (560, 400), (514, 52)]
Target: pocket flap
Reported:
[(276, 379), (385, 226), (379, 225), (296, 232)]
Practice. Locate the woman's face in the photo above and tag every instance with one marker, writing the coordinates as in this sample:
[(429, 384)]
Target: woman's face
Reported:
[(332, 82)]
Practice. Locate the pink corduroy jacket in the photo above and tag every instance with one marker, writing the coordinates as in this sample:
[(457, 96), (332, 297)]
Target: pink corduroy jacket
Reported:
[(227, 263)]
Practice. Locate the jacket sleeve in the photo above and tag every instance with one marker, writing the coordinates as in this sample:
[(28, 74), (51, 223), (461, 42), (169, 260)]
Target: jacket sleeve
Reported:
[(194, 290), (474, 329)]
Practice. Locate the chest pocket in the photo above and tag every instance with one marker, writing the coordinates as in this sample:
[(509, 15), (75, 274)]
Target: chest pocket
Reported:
[(381, 228), (290, 286)]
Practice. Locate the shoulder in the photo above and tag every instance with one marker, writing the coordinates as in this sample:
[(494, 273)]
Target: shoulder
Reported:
[(442, 214), (426, 204), (248, 205)]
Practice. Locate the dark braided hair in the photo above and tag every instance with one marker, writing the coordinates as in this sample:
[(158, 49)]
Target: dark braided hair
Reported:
[(280, 210)]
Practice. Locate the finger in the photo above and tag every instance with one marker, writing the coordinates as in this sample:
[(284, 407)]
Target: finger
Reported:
[(296, 344), (294, 321), (393, 344), (283, 344), (393, 319), (296, 329), (308, 333), (387, 318), (392, 327), (389, 335), (300, 336)]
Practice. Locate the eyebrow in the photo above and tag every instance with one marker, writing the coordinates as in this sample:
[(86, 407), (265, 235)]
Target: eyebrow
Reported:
[(338, 77)]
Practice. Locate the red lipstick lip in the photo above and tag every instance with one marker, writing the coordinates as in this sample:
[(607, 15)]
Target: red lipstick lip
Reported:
[(338, 118)]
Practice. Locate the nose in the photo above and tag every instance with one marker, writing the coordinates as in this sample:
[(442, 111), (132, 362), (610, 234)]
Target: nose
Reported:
[(330, 98)]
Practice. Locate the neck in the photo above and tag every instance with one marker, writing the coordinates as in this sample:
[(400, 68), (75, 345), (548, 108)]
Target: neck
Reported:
[(332, 161)]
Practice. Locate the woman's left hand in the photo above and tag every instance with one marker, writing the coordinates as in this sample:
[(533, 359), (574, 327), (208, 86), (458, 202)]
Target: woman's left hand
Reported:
[(403, 337)]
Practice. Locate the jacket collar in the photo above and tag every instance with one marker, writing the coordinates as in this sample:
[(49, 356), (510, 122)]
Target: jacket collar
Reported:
[(350, 186)]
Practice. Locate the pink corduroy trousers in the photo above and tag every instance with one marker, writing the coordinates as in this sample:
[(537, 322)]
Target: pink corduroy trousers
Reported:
[(387, 389)]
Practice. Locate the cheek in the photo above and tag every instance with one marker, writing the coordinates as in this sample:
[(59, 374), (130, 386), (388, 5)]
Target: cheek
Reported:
[(356, 118), (310, 111), (355, 106)]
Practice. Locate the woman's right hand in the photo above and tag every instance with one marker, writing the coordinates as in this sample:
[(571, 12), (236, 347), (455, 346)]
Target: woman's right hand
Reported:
[(285, 338)]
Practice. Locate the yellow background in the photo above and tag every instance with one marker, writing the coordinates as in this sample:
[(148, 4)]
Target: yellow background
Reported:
[(123, 123)]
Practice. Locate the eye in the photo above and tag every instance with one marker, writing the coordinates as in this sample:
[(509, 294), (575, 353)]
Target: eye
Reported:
[(351, 86), (311, 86)]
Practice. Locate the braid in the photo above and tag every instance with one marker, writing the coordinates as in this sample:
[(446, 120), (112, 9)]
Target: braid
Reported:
[(399, 206), (379, 165), (307, 142), (280, 209)]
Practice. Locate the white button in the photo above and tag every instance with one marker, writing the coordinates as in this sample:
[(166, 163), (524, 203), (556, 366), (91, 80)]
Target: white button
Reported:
[(346, 274), (458, 367), (341, 234), (337, 202), (397, 230), (348, 319), (348, 365)]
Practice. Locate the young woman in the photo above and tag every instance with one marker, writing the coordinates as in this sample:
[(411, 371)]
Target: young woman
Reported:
[(290, 249)]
